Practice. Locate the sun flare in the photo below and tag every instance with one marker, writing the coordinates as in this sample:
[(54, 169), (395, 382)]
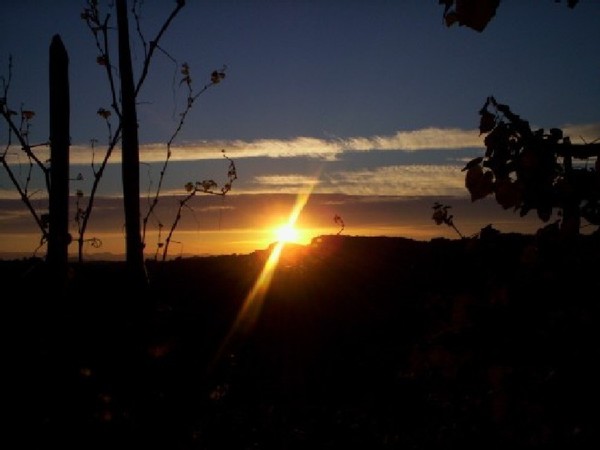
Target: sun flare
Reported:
[(287, 233), (252, 305)]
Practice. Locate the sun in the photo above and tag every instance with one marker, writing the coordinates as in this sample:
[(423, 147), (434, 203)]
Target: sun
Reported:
[(287, 233)]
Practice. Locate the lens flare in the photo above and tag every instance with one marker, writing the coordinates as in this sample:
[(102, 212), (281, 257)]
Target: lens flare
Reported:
[(287, 233), (253, 302)]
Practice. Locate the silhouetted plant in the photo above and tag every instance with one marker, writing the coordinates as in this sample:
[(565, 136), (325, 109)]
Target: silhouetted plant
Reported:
[(338, 220), (216, 77), (442, 216), (19, 127), (79, 215), (99, 26), (475, 14), (533, 170), (204, 187)]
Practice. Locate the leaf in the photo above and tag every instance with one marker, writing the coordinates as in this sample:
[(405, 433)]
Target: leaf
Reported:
[(544, 212), (104, 113), (217, 76), (206, 185), (487, 122), (556, 134), (28, 114), (507, 193), (438, 216), (474, 162), (479, 183), (450, 18), (185, 69), (476, 14)]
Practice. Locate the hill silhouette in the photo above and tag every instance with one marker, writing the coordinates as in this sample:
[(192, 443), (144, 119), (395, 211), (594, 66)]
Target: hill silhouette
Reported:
[(359, 342)]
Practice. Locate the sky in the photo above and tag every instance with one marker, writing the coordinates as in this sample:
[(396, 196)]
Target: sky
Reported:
[(371, 107)]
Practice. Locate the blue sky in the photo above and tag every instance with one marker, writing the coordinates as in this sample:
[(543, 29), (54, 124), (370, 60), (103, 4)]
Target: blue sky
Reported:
[(357, 98)]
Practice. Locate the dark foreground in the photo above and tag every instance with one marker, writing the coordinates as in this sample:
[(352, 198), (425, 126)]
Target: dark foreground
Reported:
[(371, 343)]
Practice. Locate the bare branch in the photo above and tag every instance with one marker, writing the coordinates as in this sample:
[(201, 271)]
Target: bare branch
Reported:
[(154, 44)]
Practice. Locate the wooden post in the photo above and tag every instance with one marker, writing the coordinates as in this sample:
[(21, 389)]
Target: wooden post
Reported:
[(58, 236), (130, 165)]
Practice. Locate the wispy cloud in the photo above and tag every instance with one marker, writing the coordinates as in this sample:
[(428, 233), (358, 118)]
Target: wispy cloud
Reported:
[(409, 180), (320, 148), (327, 149), (331, 148), (404, 180), (425, 139), (294, 180)]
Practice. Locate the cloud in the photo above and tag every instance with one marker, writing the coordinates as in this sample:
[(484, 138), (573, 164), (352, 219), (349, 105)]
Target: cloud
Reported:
[(425, 139), (294, 180), (328, 149), (410, 180), (404, 180)]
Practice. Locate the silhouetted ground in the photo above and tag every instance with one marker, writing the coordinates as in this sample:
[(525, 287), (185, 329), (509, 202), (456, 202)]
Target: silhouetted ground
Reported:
[(371, 343)]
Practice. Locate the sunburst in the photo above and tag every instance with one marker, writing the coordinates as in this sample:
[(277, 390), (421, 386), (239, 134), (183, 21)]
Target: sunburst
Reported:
[(254, 300)]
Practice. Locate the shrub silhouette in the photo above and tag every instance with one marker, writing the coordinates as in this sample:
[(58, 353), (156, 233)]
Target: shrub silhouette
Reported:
[(535, 170), (476, 14)]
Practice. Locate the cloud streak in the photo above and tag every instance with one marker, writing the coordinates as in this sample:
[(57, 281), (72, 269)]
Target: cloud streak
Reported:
[(404, 180), (330, 149), (326, 149)]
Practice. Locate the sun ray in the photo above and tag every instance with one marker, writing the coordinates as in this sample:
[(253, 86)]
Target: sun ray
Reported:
[(253, 302)]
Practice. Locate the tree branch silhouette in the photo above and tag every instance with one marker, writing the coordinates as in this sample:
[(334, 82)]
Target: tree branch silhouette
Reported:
[(216, 77), (204, 187), (22, 132)]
